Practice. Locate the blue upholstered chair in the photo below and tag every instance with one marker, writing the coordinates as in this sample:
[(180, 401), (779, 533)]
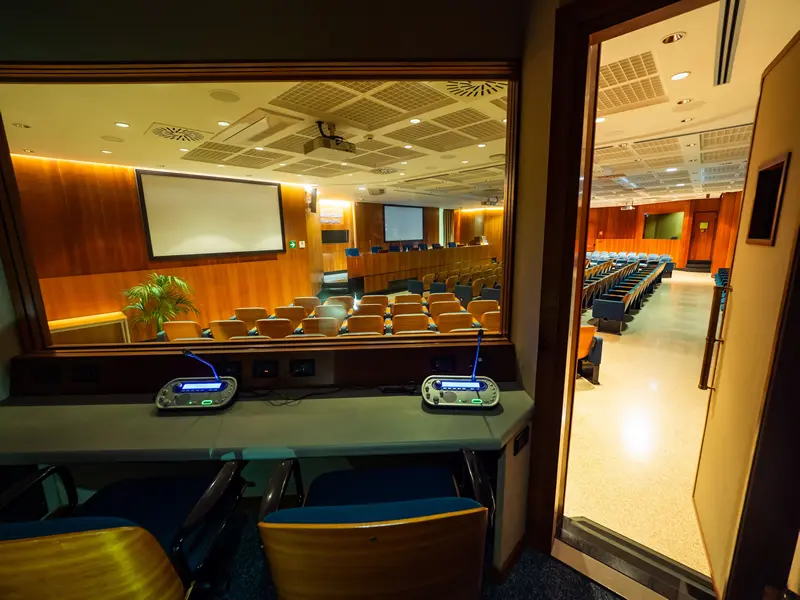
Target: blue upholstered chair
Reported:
[(423, 246), (437, 246), (464, 294), (451, 244), (376, 249), (438, 287), (151, 536), (491, 294), (631, 255), (394, 248), (652, 258), (352, 252), (612, 255), (363, 532)]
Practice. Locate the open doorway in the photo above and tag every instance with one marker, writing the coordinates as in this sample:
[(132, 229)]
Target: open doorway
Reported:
[(676, 104)]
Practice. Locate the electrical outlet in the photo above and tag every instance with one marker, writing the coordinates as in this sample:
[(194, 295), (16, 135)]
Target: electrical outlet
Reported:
[(302, 367)]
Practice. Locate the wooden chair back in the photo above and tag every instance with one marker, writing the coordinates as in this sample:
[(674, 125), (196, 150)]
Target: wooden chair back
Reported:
[(585, 337), (404, 298), (295, 314), (478, 307), (477, 286), (490, 320), (406, 308), (407, 322), (365, 561), (250, 315), (225, 330), (365, 324), (375, 299), (439, 308), (275, 328), (427, 280), (441, 297), (334, 311), (309, 303), (454, 320), (327, 326), (182, 329), (450, 282), (464, 278), (371, 309), (346, 301)]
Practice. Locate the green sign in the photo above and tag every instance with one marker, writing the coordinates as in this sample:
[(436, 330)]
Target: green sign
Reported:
[(292, 244)]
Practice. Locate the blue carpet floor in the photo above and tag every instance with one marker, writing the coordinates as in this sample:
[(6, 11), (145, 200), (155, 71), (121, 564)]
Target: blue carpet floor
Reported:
[(534, 577)]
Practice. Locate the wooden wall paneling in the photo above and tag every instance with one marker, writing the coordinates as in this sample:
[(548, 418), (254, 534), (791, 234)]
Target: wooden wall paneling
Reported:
[(333, 257), (727, 229), (493, 230), (369, 226), (469, 225), (314, 251), (430, 225), (671, 247)]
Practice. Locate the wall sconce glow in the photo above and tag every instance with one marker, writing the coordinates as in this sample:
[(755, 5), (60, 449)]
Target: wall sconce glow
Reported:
[(600, 120), (334, 202), (681, 75), (223, 123), (504, 120), (414, 121), (121, 124)]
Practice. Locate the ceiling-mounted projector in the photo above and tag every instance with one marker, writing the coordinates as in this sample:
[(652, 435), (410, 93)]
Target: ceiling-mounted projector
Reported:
[(627, 207), (329, 146)]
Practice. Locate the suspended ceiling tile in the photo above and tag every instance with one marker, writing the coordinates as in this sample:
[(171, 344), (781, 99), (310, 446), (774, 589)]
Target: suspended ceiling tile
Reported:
[(412, 133), (629, 96), (460, 118), (372, 145), (401, 152), (724, 155), (668, 146), (486, 131), (412, 96), (290, 143), (368, 113), (313, 97), (361, 86), (626, 70), (443, 142), (722, 138)]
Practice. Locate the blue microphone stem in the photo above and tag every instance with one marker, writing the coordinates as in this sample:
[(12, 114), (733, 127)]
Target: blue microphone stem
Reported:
[(214, 371), (477, 354)]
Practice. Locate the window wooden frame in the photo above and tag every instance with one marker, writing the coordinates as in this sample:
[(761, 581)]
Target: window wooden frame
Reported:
[(17, 258)]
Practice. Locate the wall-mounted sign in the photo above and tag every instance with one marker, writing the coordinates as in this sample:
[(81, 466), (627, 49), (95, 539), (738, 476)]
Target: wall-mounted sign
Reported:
[(292, 244), (703, 225)]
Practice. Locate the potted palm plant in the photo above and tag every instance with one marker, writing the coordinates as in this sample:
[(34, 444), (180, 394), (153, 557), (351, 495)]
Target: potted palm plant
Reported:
[(159, 299)]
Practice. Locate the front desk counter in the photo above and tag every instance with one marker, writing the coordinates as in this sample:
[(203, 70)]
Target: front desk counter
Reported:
[(94, 429)]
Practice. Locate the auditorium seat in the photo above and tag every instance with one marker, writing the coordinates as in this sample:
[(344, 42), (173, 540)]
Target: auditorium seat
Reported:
[(590, 353), (295, 314), (376, 249), (370, 310), (477, 307), (477, 286), (451, 244), (464, 294), (394, 248), (476, 270), (375, 299), (486, 273), (306, 336), (408, 247), (275, 328), (365, 324), (437, 246), (346, 301), (327, 326), (450, 283), (402, 298), (409, 322), (352, 252), (423, 247), (441, 297), (652, 258), (457, 320), (407, 308), (176, 330), (309, 303), (464, 278), (490, 320), (447, 306), (334, 311), (250, 315), (426, 281), (225, 330)]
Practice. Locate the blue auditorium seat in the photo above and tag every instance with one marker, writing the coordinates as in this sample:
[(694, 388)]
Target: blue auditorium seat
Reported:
[(491, 294), (376, 249), (464, 294), (632, 255), (394, 248), (423, 246), (612, 255), (352, 252), (437, 246), (652, 258), (438, 287), (451, 244)]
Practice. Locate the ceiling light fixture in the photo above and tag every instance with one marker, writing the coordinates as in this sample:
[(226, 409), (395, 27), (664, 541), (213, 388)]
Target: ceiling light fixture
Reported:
[(21, 125), (481, 145), (405, 162), (671, 169), (692, 145), (673, 37), (363, 189), (685, 101), (259, 148), (184, 149), (504, 120), (343, 164), (681, 75), (106, 151), (282, 165), (687, 120), (221, 166), (600, 120), (680, 184), (463, 162), (408, 146), (223, 123), (121, 124), (414, 121)]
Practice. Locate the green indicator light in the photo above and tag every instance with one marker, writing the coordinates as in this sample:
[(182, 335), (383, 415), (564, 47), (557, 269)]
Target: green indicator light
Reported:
[(207, 402), (477, 401)]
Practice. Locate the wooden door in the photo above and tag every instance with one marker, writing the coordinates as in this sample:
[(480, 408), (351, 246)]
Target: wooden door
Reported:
[(744, 375), (703, 230)]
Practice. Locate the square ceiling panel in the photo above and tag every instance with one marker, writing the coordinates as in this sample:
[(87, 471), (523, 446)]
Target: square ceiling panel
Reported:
[(322, 172), (466, 116), (311, 162), (501, 103), (668, 146), (207, 156), (412, 96), (371, 145), (722, 138), (666, 161), (401, 152), (628, 69), (486, 131), (412, 133), (368, 114), (613, 154), (313, 97), (361, 86), (290, 143), (724, 155), (449, 140), (373, 160), (631, 95), (293, 168), (275, 156), (250, 162)]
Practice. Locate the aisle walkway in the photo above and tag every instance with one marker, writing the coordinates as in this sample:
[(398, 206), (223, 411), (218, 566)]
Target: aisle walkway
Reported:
[(636, 436)]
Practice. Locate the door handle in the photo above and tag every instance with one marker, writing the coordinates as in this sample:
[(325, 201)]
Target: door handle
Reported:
[(711, 336)]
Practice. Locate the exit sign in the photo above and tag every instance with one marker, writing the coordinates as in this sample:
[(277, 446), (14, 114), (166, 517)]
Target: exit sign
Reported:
[(292, 244)]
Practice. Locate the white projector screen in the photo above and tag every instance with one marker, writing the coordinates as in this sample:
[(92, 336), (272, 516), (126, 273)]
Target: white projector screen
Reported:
[(402, 223), (192, 215)]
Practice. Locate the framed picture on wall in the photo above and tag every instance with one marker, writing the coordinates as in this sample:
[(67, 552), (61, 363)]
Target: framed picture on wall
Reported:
[(767, 203)]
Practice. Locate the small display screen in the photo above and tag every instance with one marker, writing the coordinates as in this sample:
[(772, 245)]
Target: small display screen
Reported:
[(202, 386), (461, 385)]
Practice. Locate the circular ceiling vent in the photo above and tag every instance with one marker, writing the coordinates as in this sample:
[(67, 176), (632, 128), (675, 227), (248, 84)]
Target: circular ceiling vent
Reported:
[(181, 134), (384, 171), (224, 95), (111, 138), (475, 89)]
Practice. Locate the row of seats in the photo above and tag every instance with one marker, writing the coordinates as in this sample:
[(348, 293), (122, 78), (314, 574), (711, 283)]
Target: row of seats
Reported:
[(721, 278), (590, 353), (627, 294), (446, 281), (398, 248), (159, 537), (621, 258), (600, 283), (339, 315)]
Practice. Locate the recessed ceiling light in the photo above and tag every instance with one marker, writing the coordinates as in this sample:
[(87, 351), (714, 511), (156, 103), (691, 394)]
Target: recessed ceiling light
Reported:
[(673, 37), (408, 146), (343, 164), (258, 148), (414, 121), (224, 95), (481, 145), (402, 174), (121, 124), (463, 162), (362, 189), (600, 120), (687, 120), (671, 169), (223, 123), (28, 150), (184, 149), (349, 174), (221, 166), (680, 184), (681, 75), (405, 162), (692, 145), (106, 151), (21, 125), (685, 101), (282, 165), (504, 120)]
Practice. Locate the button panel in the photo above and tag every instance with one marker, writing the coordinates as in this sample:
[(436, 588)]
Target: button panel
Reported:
[(170, 397), (460, 392)]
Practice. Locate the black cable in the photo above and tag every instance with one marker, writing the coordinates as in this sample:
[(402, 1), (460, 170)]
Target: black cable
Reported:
[(336, 138)]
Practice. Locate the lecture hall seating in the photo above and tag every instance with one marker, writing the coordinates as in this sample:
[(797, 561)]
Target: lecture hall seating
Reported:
[(627, 294)]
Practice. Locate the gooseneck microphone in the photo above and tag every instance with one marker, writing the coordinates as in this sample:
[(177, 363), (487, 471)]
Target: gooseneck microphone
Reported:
[(214, 371)]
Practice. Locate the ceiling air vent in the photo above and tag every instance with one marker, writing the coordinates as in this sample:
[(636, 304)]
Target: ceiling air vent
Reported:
[(179, 134), (730, 24), (475, 89), (376, 191), (384, 171)]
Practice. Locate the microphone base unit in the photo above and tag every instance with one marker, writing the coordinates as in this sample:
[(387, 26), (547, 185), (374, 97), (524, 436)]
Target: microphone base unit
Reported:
[(197, 394), (461, 392)]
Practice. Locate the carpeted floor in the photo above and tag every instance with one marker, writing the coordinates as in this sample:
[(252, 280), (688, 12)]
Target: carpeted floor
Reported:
[(535, 576)]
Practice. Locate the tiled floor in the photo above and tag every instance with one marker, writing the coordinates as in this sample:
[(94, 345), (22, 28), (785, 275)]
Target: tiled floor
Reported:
[(636, 437)]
